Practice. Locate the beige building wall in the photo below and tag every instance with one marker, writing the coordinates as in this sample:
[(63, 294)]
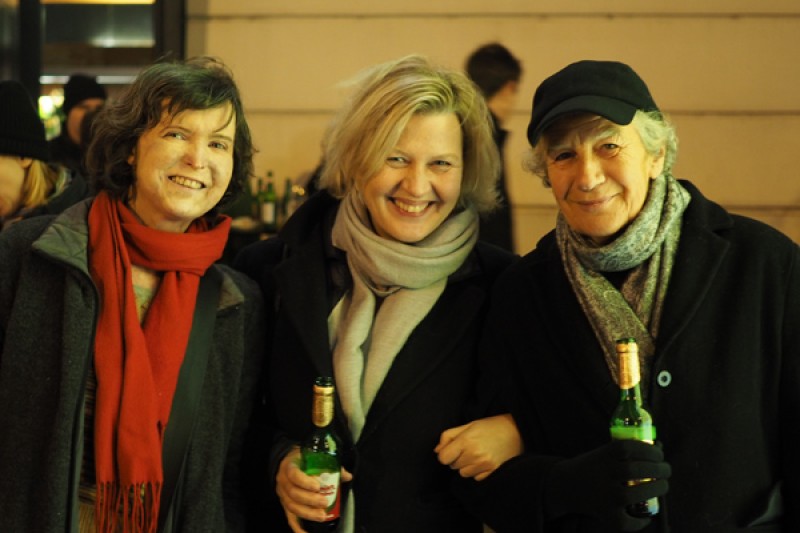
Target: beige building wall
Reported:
[(726, 71)]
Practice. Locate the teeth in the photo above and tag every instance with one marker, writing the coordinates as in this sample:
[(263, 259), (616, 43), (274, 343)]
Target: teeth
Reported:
[(418, 208), (186, 182)]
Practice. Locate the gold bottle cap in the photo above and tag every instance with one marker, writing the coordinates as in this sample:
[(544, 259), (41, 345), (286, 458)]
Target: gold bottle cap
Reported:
[(629, 373), (322, 407)]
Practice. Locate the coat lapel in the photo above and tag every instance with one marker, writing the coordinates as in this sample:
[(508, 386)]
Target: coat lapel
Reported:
[(697, 261), (579, 349), (433, 340), (302, 278)]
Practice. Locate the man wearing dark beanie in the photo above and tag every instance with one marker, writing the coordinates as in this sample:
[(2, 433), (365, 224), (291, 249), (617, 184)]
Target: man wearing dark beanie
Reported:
[(82, 95), (29, 186)]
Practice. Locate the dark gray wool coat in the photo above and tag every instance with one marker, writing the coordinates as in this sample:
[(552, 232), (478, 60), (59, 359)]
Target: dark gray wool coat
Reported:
[(724, 390), (48, 313)]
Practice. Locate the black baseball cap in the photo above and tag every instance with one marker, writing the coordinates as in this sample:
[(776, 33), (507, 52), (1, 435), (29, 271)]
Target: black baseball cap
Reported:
[(607, 88)]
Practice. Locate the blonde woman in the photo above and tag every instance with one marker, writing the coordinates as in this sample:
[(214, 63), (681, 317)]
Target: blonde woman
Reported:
[(377, 280)]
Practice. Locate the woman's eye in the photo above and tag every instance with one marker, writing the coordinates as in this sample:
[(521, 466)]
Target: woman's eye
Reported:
[(175, 134), (219, 145), (562, 156), (441, 163), (610, 148), (396, 161)]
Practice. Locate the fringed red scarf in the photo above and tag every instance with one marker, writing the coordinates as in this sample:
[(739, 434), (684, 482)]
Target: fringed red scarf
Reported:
[(137, 364)]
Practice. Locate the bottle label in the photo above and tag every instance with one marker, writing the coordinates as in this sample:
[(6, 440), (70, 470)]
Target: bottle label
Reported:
[(268, 213), (329, 487), (646, 433)]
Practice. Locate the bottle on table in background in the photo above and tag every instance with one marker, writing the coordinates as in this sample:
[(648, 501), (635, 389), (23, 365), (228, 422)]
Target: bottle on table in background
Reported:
[(287, 204), (268, 202), (255, 199), (320, 455), (630, 420)]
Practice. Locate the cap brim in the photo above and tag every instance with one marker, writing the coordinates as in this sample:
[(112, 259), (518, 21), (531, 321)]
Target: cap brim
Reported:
[(614, 110)]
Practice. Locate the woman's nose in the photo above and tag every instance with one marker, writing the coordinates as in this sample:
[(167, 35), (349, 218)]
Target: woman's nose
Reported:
[(416, 180), (196, 155), (590, 173)]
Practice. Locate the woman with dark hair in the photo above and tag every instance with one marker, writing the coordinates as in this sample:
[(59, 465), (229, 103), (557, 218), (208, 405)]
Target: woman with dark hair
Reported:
[(129, 359)]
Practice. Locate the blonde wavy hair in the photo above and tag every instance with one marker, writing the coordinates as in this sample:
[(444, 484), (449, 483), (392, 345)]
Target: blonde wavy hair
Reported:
[(372, 120)]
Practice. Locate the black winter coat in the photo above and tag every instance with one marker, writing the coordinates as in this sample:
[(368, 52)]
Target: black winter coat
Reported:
[(724, 393), (398, 482)]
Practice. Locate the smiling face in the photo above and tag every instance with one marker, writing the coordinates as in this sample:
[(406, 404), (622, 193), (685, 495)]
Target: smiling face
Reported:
[(600, 180), (182, 167), (420, 181)]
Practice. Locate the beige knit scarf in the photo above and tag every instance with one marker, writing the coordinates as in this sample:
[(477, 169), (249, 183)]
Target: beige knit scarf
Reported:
[(395, 285), (647, 248)]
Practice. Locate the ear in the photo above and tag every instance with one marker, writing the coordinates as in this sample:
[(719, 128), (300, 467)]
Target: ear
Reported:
[(132, 157), (657, 164), (511, 86), (25, 162)]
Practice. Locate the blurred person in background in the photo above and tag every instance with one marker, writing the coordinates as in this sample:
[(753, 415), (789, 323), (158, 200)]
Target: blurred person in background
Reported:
[(497, 73), (29, 185), (82, 94)]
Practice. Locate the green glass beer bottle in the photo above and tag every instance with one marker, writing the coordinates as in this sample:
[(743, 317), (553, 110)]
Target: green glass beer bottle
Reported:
[(320, 453), (630, 420)]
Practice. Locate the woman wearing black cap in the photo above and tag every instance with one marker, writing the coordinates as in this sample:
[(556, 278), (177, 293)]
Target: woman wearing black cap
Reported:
[(28, 184), (712, 298)]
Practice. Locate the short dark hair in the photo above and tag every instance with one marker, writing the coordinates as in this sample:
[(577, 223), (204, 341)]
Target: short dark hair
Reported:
[(492, 66), (198, 83)]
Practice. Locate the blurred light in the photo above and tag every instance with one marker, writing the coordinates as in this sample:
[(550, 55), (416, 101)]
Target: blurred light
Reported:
[(116, 42), (102, 79), (114, 2)]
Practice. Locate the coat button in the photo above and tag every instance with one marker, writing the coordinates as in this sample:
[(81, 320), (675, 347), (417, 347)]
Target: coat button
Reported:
[(664, 378)]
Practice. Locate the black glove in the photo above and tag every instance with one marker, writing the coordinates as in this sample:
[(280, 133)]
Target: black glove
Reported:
[(596, 483)]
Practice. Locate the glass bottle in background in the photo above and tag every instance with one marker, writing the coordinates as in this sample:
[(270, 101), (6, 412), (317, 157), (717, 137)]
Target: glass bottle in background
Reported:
[(255, 199), (320, 455), (630, 420), (269, 205), (287, 202)]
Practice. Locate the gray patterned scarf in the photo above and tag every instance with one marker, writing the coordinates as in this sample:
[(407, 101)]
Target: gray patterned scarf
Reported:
[(646, 248)]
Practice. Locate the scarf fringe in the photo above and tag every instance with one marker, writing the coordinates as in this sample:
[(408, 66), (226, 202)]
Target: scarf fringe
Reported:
[(135, 506)]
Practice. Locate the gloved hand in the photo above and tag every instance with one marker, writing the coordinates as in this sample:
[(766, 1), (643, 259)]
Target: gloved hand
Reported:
[(595, 483)]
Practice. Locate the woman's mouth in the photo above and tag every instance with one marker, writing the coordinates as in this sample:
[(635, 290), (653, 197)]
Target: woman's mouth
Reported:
[(186, 182), (411, 208)]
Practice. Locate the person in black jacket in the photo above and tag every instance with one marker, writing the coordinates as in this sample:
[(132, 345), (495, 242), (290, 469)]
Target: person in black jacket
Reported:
[(82, 95), (497, 73), (712, 298), (380, 282), (30, 185)]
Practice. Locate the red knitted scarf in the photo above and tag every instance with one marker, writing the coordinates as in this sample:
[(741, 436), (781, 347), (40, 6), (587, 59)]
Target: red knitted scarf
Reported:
[(137, 364)]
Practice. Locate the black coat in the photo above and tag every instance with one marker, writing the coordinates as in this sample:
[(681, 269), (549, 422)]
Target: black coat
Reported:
[(398, 482), (724, 393)]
